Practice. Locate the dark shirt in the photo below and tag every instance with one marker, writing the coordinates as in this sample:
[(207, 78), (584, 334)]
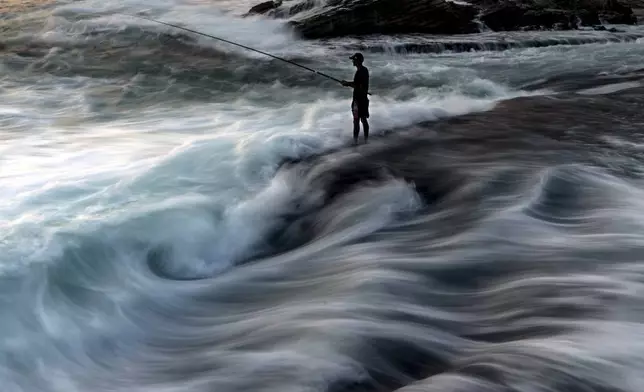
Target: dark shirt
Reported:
[(361, 84)]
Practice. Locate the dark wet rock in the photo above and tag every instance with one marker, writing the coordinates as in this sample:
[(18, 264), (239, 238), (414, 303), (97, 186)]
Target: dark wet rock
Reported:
[(264, 7), (390, 17), (364, 17), (611, 17), (617, 12), (557, 14), (511, 17), (301, 7)]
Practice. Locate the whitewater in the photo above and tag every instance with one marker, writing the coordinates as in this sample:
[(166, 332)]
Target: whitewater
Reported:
[(179, 214)]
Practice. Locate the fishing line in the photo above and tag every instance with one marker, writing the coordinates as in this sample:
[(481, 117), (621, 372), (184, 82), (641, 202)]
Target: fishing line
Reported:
[(236, 44)]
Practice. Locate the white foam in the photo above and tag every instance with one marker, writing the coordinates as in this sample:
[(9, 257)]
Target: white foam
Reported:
[(459, 2)]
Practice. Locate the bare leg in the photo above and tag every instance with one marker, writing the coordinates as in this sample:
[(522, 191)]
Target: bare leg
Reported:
[(356, 129), (356, 122), (365, 129)]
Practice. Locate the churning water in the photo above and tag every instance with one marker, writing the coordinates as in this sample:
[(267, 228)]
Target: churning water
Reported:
[(182, 215)]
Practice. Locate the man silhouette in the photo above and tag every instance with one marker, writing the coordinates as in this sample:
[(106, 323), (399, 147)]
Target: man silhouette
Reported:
[(360, 103)]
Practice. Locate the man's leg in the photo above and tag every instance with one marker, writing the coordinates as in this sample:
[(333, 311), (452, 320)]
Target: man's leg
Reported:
[(356, 129), (363, 113), (356, 122), (365, 128)]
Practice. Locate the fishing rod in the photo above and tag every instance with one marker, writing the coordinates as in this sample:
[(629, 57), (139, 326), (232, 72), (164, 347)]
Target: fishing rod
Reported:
[(236, 44)]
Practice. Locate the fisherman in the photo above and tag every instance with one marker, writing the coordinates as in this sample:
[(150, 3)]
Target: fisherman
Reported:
[(360, 103)]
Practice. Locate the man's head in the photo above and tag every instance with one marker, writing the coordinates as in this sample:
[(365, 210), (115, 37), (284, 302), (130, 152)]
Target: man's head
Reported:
[(357, 59)]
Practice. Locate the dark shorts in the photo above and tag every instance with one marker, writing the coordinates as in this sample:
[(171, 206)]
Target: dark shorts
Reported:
[(360, 109)]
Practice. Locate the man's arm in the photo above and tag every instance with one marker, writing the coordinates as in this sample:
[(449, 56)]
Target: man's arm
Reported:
[(346, 83)]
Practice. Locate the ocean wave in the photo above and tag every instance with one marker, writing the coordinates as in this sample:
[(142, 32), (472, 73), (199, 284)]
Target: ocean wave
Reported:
[(465, 253), (182, 216)]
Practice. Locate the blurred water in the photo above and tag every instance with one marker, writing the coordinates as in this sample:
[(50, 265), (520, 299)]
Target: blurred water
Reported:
[(138, 170)]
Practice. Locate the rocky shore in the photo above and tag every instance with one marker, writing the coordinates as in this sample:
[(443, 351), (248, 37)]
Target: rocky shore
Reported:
[(314, 19)]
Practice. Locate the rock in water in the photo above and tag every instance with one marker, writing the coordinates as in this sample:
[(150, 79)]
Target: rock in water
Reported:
[(511, 17), (264, 7), (552, 14), (614, 12), (362, 17), (389, 17)]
